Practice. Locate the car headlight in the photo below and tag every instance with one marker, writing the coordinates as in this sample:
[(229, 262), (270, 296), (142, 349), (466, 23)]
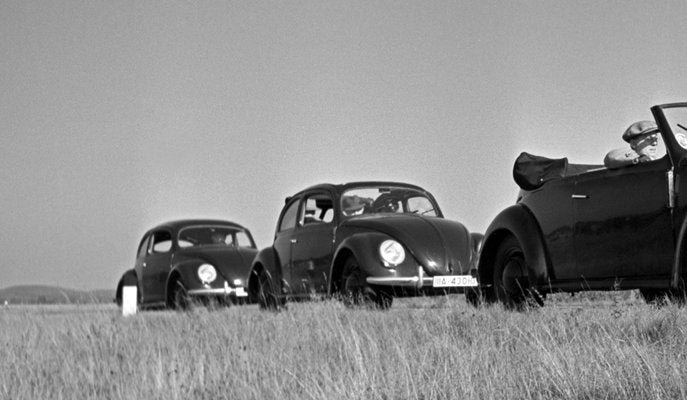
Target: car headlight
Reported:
[(392, 253), (207, 273)]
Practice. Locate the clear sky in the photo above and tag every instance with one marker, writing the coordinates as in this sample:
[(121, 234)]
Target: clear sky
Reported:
[(116, 116)]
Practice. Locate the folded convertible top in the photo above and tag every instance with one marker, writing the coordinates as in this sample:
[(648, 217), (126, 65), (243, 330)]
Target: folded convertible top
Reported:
[(531, 172)]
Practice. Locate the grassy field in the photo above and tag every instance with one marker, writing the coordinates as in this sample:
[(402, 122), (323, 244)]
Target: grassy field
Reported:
[(613, 346)]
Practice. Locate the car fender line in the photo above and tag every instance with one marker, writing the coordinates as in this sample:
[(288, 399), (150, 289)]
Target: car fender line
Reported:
[(519, 222), (359, 246), (268, 259), (678, 269)]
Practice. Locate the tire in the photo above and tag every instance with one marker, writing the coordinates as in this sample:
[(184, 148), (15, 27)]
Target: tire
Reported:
[(181, 300), (356, 291), (511, 280), (267, 296)]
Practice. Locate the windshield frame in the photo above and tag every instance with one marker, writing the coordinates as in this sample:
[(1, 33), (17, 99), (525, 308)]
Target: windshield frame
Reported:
[(367, 199)]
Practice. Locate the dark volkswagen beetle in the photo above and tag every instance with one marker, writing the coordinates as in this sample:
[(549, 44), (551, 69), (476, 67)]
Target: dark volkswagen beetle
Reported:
[(199, 259), (366, 242), (587, 227)]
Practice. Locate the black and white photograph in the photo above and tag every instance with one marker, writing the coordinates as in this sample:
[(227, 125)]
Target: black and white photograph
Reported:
[(343, 199)]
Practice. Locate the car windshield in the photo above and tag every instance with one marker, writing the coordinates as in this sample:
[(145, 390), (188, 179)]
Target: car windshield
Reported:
[(386, 199), (677, 119), (214, 235)]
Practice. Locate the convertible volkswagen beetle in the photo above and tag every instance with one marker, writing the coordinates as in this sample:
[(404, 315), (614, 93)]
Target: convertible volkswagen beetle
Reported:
[(586, 227), (194, 259), (366, 242)]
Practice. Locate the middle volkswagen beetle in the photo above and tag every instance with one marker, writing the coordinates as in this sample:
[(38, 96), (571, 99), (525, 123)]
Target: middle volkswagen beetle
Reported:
[(365, 242)]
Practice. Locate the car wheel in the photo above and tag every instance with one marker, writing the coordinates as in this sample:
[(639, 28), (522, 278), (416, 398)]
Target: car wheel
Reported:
[(511, 281), (182, 300), (267, 297), (356, 291)]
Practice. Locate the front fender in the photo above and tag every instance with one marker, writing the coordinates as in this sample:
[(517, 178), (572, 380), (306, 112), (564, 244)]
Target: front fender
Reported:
[(267, 260), (677, 280), (364, 247), (517, 221), (186, 273)]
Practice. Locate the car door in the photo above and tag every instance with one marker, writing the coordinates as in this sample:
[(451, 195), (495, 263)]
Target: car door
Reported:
[(156, 266), (313, 244), (283, 239), (553, 209), (623, 223)]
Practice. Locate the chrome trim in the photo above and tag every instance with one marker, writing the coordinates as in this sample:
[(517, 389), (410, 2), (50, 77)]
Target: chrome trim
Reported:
[(238, 291), (410, 281), (580, 196), (671, 188)]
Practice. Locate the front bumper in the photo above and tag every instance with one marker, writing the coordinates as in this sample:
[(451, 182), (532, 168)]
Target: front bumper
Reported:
[(226, 291), (421, 281)]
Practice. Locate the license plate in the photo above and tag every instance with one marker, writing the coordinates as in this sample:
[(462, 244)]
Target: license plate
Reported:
[(454, 281)]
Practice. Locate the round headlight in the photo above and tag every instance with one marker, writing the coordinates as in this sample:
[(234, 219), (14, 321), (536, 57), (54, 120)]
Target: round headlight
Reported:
[(392, 253), (207, 273)]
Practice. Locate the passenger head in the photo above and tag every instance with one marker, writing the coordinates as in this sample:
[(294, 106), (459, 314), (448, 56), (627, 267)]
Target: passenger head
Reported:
[(643, 138), (352, 205)]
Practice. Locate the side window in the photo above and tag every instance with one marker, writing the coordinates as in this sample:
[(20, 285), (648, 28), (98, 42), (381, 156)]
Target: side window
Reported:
[(143, 248), (162, 242), (318, 209), (242, 240), (288, 219)]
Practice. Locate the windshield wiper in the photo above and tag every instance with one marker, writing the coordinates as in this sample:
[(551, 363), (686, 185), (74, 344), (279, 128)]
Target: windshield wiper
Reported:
[(680, 125)]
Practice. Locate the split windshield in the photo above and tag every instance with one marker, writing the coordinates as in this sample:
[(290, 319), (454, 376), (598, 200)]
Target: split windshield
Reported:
[(677, 120), (214, 235), (372, 200)]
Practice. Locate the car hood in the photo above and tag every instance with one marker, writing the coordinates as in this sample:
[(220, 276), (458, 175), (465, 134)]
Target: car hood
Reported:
[(231, 262), (441, 246)]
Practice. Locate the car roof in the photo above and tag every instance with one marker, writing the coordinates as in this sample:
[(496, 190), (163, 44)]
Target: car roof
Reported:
[(175, 225), (344, 186)]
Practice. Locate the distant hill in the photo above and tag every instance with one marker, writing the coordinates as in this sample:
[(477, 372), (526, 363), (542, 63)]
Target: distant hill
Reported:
[(40, 294)]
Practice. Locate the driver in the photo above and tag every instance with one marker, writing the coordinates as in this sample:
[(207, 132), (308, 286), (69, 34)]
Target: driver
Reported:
[(353, 205), (643, 139), (219, 238)]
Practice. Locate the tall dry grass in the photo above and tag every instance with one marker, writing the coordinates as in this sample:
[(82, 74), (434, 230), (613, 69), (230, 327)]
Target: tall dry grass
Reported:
[(436, 348)]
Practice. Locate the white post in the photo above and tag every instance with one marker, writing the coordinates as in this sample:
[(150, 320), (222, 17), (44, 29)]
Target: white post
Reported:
[(129, 296)]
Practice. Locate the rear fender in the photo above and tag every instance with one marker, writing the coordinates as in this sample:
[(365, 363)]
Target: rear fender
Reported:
[(517, 221), (476, 241), (129, 278)]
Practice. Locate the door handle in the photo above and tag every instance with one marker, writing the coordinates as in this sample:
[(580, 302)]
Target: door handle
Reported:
[(294, 241), (580, 196)]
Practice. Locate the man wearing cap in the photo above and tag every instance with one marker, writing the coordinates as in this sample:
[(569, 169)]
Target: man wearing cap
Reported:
[(643, 139), (353, 205)]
